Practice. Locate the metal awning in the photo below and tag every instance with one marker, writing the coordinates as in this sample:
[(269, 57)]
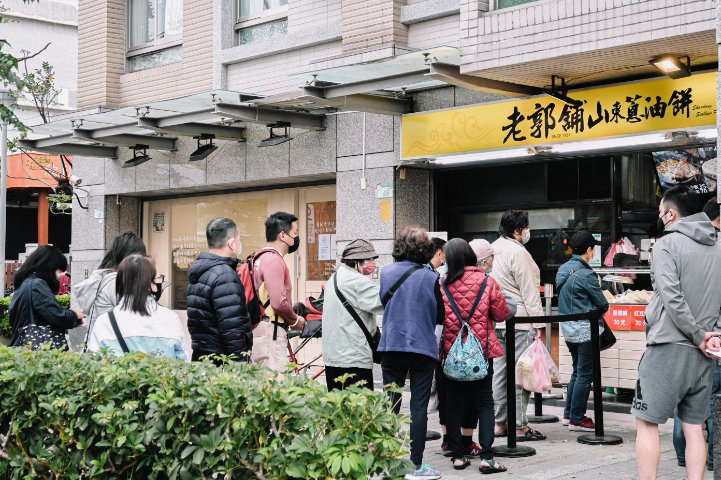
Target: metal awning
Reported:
[(378, 81), (220, 114)]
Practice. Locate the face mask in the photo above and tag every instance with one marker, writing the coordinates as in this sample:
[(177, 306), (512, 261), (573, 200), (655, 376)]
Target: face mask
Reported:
[(527, 236), (238, 251), (296, 244), (58, 274), (660, 227), (158, 292), (369, 268)]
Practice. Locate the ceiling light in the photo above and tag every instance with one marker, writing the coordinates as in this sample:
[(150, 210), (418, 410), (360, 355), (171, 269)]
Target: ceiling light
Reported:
[(672, 65), (203, 149), (138, 157), (276, 139), (560, 92), (482, 156), (610, 143)]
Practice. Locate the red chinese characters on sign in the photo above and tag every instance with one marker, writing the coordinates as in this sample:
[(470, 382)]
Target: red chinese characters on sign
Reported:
[(638, 318), (619, 317)]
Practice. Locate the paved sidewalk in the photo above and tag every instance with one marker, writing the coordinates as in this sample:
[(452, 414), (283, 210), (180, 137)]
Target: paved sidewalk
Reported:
[(562, 457)]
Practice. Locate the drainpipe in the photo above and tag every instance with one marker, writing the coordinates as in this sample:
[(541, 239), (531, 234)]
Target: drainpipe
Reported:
[(363, 175)]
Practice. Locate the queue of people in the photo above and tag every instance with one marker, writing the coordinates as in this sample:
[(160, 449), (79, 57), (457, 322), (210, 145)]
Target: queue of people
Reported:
[(437, 300)]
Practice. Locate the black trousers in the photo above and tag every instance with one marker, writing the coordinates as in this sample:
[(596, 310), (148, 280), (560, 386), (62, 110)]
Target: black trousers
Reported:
[(359, 375), (462, 397), (469, 417), (396, 367)]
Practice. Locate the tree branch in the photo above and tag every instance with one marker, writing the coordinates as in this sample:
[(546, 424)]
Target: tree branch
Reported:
[(28, 57)]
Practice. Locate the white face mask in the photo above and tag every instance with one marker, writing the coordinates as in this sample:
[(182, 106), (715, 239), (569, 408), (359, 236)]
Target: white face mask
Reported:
[(527, 236), (58, 274)]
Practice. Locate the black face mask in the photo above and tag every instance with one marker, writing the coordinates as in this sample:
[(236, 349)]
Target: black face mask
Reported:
[(158, 292), (296, 244), (660, 227)]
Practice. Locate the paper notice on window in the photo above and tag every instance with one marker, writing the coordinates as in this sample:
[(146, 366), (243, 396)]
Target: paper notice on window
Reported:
[(325, 246)]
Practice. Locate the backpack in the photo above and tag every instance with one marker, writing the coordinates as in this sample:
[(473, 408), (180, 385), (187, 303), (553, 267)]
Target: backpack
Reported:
[(256, 309)]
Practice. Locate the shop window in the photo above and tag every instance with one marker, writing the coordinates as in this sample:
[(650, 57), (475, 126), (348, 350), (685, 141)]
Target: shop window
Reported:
[(154, 24), (262, 31), (188, 222), (320, 223)]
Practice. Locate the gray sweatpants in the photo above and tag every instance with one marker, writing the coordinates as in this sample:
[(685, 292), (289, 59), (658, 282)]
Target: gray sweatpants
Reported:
[(524, 339)]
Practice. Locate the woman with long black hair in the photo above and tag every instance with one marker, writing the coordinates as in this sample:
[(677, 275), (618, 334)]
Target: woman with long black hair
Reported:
[(470, 297), (97, 294), (35, 314)]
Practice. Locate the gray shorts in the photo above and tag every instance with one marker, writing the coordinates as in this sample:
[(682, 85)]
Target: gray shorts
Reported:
[(672, 376)]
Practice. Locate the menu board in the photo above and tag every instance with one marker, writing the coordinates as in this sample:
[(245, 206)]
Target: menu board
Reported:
[(694, 167)]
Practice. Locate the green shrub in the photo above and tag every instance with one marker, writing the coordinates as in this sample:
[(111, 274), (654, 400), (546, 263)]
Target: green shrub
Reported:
[(91, 416), (5, 328)]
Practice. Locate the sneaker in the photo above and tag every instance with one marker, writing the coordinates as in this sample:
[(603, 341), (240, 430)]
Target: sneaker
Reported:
[(424, 473), (586, 425), (565, 421), (474, 450), (446, 451)]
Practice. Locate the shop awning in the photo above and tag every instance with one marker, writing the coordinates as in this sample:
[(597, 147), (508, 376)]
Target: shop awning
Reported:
[(220, 114), (32, 170)]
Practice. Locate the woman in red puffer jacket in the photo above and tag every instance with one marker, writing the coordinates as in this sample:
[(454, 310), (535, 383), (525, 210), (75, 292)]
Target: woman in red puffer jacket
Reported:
[(464, 282)]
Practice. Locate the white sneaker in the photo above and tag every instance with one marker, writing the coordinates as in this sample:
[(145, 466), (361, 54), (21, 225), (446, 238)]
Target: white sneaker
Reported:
[(424, 473), (565, 421)]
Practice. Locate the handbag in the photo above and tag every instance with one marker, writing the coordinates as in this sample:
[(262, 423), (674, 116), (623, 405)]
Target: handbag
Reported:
[(466, 361), (373, 341), (35, 336), (607, 339)]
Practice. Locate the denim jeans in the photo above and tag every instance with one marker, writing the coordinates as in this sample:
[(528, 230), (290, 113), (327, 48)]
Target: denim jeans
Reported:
[(579, 386), (679, 441), (396, 366)]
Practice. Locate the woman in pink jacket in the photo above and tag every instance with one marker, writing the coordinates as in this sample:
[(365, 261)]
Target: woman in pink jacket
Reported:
[(461, 287)]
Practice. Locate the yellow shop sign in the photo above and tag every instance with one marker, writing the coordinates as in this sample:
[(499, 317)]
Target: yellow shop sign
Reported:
[(626, 109)]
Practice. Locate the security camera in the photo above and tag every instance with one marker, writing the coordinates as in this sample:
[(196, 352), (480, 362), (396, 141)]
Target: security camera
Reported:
[(75, 180)]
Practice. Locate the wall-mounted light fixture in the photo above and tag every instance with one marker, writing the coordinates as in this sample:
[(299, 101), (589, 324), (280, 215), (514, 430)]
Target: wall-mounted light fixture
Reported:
[(204, 149), (275, 139), (482, 156), (672, 65), (139, 156), (559, 91)]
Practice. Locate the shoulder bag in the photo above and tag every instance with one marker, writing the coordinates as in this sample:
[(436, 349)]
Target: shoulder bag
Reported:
[(374, 340), (118, 335), (466, 361), (35, 336), (606, 339), (389, 294)]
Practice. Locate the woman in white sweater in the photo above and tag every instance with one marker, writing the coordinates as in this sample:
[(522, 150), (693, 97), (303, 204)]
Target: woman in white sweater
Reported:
[(141, 325)]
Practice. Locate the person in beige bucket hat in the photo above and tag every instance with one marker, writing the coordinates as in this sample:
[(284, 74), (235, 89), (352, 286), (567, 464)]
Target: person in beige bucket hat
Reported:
[(346, 349)]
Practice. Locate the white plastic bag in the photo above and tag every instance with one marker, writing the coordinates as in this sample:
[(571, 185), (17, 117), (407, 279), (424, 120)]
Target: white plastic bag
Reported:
[(532, 369)]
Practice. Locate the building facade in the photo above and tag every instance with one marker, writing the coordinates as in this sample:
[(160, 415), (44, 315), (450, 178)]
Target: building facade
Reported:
[(355, 85)]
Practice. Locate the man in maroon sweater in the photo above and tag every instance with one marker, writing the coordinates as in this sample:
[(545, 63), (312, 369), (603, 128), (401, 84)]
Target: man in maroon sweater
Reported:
[(275, 289)]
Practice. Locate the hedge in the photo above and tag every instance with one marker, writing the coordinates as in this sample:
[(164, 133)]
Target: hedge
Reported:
[(5, 328), (66, 415)]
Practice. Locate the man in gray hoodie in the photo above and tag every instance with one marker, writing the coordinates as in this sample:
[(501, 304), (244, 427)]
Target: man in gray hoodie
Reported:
[(676, 370)]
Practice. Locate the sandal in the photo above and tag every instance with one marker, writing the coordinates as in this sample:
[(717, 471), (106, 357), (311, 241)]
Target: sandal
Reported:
[(531, 435), (493, 467), (462, 466)]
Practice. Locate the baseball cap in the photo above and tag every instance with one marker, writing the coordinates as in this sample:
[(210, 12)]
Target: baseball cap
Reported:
[(582, 241)]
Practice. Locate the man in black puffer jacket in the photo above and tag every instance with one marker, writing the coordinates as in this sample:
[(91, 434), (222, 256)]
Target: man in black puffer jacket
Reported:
[(218, 318)]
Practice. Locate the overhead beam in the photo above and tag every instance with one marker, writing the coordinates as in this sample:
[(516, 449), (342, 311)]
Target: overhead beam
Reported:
[(51, 141), (372, 104), (73, 149), (222, 132), (451, 74), (395, 81), (266, 116), (197, 116), (128, 140)]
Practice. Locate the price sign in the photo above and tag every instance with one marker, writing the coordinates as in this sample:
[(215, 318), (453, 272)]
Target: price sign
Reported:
[(619, 317), (638, 317)]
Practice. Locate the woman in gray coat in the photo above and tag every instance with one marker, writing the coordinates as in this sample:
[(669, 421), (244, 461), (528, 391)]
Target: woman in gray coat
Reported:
[(96, 295), (345, 347)]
